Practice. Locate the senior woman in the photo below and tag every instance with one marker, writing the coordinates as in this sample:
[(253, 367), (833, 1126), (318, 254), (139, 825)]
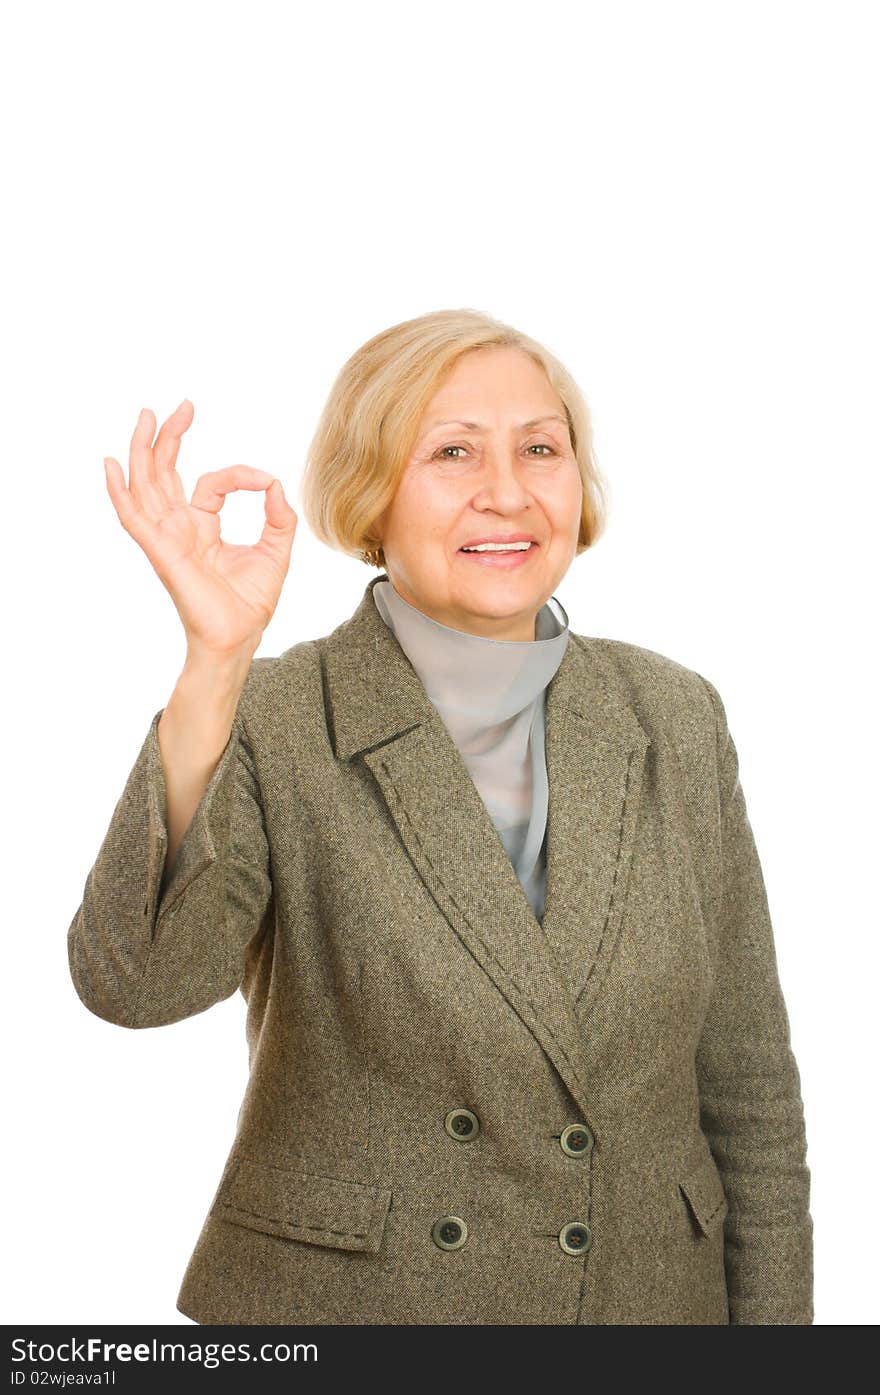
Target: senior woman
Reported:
[(518, 1047)]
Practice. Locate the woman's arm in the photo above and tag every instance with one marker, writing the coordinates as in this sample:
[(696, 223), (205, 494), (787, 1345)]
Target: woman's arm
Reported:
[(750, 1093), (193, 733), (180, 889), (158, 938)]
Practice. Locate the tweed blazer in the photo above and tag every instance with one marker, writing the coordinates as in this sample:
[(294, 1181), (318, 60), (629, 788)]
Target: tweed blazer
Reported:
[(455, 1112)]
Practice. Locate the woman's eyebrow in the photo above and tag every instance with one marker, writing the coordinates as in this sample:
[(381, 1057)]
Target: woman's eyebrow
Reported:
[(479, 426)]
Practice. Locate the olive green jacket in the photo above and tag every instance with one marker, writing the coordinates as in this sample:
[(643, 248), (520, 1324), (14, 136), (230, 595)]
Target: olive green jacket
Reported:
[(456, 1113)]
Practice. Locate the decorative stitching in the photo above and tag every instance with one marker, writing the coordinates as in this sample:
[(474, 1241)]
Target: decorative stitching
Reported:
[(712, 1214), (473, 929), (692, 1191), (608, 917), (295, 1225)]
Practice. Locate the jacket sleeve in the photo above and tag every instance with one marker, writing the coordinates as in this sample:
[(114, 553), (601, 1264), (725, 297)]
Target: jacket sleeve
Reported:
[(139, 958), (750, 1091)]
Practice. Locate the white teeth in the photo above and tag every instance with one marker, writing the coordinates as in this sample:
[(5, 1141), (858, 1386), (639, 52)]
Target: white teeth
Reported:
[(498, 547)]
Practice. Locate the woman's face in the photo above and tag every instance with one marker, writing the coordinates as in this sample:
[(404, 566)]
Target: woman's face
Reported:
[(483, 464)]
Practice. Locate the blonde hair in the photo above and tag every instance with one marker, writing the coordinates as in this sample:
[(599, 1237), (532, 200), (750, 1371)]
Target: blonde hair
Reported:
[(370, 421)]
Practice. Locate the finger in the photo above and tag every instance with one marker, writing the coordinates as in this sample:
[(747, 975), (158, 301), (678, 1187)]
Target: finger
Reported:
[(211, 489), (142, 475), (166, 449), (129, 512)]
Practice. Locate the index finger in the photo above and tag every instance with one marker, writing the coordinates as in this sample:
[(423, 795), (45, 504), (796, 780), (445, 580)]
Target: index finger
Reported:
[(211, 489)]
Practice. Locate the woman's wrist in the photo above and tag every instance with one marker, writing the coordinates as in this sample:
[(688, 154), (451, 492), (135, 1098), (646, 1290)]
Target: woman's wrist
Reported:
[(219, 672)]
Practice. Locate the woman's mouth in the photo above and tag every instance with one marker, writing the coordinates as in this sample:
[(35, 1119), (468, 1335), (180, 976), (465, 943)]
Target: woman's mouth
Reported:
[(494, 555)]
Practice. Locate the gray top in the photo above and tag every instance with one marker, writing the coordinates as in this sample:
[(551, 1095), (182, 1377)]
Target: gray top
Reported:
[(491, 696)]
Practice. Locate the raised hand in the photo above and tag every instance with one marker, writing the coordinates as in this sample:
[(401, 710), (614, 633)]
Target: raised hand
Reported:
[(225, 593)]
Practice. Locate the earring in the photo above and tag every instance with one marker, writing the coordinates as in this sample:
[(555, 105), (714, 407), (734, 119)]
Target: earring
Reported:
[(371, 555)]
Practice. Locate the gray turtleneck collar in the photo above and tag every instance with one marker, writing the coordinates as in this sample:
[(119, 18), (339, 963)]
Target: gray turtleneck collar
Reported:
[(491, 696)]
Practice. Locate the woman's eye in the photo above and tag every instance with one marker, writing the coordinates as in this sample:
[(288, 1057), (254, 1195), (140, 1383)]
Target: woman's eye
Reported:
[(538, 445)]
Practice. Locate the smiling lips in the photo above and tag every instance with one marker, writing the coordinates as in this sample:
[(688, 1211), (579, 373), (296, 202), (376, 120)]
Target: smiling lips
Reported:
[(500, 554)]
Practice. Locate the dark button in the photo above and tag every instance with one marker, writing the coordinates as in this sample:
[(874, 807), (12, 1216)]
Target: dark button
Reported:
[(575, 1140), (575, 1237), (450, 1232), (462, 1124)]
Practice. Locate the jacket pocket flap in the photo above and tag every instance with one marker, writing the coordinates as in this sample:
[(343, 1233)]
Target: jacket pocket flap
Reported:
[(705, 1193), (304, 1205)]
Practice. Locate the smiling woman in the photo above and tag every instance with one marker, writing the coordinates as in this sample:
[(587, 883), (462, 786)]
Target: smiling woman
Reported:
[(519, 1051), (511, 482), (385, 471)]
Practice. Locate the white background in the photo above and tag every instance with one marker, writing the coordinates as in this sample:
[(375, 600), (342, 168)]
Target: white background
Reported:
[(222, 202)]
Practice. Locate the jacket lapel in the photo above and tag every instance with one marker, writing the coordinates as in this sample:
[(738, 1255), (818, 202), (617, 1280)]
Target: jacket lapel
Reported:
[(549, 972), (595, 751)]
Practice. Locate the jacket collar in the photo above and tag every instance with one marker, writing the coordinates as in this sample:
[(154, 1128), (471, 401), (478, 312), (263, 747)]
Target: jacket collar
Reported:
[(550, 971)]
